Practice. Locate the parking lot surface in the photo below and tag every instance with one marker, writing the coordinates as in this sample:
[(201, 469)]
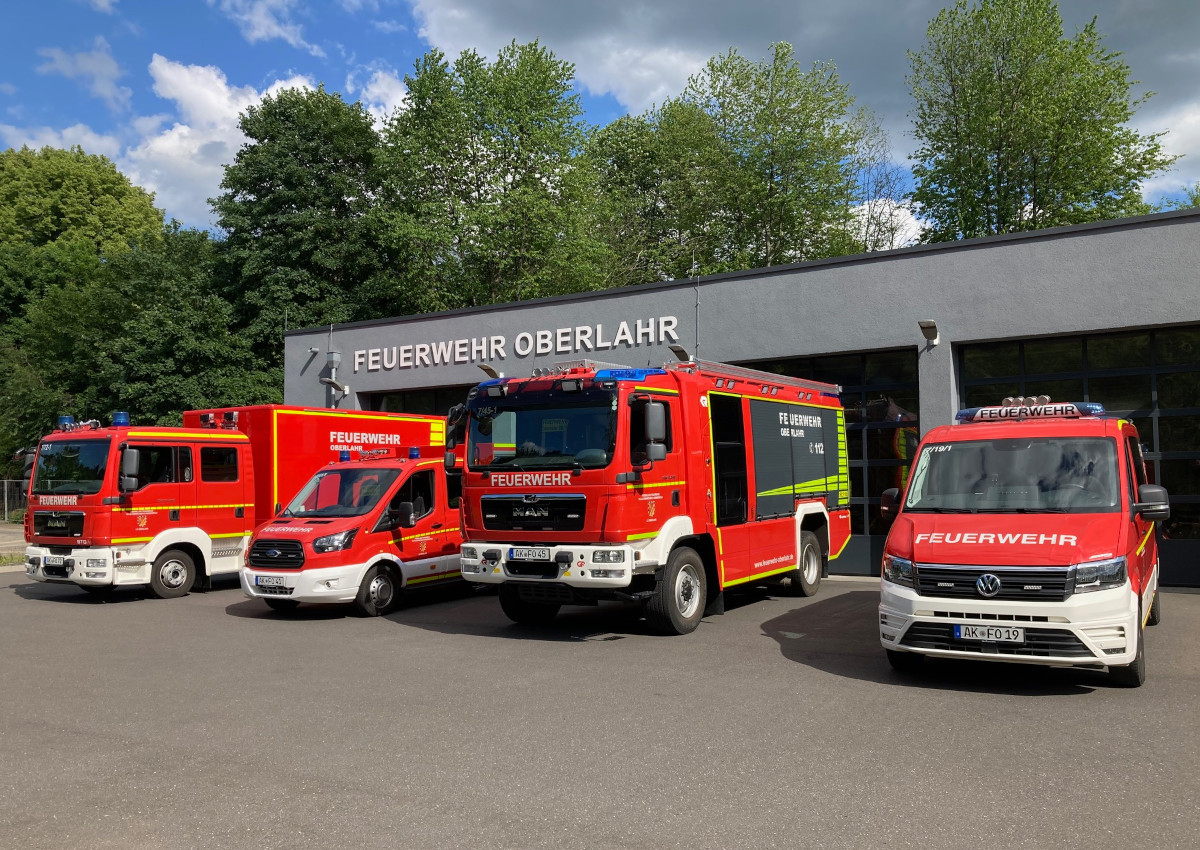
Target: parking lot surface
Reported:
[(209, 721)]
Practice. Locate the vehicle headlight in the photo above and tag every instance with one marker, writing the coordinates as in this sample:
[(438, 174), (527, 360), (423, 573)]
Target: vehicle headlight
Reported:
[(96, 563), (897, 570), (1099, 575), (470, 553), (608, 556), (334, 542)]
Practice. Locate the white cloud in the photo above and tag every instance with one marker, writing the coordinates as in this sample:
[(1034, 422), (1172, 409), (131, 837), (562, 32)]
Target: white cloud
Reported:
[(98, 70), (264, 20), (389, 27), (183, 163), (78, 134), (106, 6), (7, 88), (353, 6), (382, 94), (1183, 140)]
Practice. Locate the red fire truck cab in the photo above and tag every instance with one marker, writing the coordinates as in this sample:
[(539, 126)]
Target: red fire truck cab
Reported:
[(1026, 534), (169, 507), (361, 530), (664, 486)]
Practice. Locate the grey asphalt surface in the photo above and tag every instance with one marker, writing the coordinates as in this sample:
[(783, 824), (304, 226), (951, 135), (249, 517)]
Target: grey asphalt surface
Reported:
[(208, 721)]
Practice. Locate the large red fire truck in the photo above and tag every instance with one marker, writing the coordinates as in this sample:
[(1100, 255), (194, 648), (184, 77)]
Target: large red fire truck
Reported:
[(664, 486), (362, 530), (171, 507), (1026, 534)]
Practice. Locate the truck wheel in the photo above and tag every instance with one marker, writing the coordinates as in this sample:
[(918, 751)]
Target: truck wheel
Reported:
[(378, 592), (1131, 675), (524, 612), (677, 605), (172, 575), (1155, 609), (905, 662), (282, 605), (806, 578)]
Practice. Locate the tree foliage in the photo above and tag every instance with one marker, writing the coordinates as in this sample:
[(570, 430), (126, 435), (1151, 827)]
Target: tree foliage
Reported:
[(1020, 127)]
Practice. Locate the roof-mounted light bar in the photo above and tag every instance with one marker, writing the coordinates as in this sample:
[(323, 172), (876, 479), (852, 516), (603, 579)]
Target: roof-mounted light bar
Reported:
[(1032, 407)]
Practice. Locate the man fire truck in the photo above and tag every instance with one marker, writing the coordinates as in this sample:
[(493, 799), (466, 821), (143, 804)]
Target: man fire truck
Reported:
[(663, 486), (171, 507), (1026, 534)]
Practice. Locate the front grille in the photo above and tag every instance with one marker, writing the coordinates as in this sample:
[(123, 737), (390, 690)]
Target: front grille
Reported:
[(532, 569), (538, 513), (58, 523), (1053, 584), (273, 590), (57, 572), (277, 554), (1039, 643)]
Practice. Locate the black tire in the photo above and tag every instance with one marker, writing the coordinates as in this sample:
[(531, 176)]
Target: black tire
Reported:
[(378, 593), (1155, 609), (905, 662), (806, 578), (96, 589), (523, 611), (1131, 675), (677, 605), (172, 575), (281, 605)]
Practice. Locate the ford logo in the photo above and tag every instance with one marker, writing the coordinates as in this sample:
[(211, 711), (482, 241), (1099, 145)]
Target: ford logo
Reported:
[(988, 585), (273, 553)]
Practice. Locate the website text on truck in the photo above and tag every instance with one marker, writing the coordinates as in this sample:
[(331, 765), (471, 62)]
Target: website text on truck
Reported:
[(663, 486), (1027, 534)]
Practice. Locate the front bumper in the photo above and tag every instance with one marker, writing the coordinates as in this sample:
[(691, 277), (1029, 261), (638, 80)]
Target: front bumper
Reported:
[(1088, 629), (569, 565), (321, 585), (94, 566)]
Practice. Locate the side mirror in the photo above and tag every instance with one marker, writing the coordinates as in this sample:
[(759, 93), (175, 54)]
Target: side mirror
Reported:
[(889, 502), (1152, 503), (656, 452), (131, 459), (656, 422), (404, 515), (451, 462), (278, 508)]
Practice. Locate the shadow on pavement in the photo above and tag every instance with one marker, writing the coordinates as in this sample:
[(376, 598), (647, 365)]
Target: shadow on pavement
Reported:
[(839, 635), (76, 595)]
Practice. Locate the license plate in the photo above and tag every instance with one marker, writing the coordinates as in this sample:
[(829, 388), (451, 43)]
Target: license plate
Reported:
[(269, 581), (529, 554), (54, 560), (992, 634)]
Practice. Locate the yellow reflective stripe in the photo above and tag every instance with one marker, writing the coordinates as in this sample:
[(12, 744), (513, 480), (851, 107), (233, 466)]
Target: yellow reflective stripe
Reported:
[(645, 536), (132, 539), (437, 427), (274, 457), (437, 577), (657, 390), (167, 435), (235, 534), (658, 484), (179, 507), (816, 485), (767, 574), (1145, 540), (845, 543), (433, 533)]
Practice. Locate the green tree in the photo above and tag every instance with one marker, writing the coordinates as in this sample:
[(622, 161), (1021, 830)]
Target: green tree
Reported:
[(294, 205), (484, 198), (1020, 127)]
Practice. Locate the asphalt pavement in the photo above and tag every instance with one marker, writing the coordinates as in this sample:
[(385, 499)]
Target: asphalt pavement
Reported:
[(209, 721)]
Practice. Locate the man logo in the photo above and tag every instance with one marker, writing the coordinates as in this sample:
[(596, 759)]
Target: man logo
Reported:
[(988, 585)]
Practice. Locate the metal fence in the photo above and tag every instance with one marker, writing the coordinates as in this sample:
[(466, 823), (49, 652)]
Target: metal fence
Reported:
[(15, 500)]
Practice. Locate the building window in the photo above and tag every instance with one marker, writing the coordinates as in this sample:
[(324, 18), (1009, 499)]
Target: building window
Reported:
[(430, 402)]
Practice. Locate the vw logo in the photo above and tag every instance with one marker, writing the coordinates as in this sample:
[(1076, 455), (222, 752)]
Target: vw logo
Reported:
[(988, 585), (274, 553)]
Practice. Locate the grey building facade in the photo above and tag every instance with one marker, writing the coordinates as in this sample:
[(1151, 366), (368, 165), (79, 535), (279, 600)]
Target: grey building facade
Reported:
[(1108, 312)]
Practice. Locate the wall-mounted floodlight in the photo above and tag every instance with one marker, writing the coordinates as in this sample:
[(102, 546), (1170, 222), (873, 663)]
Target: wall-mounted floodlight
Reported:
[(929, 330), (489, 371), (337, 385), (680, 353)]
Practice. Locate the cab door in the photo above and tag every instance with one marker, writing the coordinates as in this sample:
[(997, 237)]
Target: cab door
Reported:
[(220, 492), (1142, 543), (152, 507), (423, 547)]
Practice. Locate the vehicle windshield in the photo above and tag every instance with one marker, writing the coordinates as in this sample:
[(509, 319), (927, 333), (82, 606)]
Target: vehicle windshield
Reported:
[(1036, 475), (71, 466), (342, 493), (544, 429)]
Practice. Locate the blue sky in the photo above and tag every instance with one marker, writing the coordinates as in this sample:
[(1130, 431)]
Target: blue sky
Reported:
[(157, 85)]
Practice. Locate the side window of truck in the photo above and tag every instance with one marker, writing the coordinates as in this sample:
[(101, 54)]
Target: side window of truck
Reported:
[(453, 491), (418, 489), (637, 430), (1137, 467), (185, 464), (218, 463), (157, 465)]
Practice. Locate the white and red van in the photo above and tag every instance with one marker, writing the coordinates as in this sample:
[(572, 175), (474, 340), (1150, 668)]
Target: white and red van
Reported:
[(1026, 534), (361, 530)]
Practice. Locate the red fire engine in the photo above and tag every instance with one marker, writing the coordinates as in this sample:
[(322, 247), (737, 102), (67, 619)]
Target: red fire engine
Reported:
[(170, 507), (361, 530), (1026, 534), (665, 486)]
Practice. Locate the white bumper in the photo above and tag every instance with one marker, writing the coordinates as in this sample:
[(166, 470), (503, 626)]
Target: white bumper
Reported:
[(491, 565), (1085, 630), (323, 584), (94, 566)]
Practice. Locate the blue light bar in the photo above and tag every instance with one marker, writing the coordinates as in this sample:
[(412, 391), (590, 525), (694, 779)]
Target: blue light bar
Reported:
[(413, 453), (120, 419), (627, 374), (344, 455), (1050, 410), (66, 421)]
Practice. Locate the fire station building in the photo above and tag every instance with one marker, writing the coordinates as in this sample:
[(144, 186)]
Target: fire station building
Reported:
[(1107, 312)]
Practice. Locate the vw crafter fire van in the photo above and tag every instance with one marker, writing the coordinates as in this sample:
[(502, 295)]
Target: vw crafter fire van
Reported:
[(1026, 534)]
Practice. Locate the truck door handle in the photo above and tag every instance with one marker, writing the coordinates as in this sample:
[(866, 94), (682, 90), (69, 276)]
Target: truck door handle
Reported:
[(675, 498), (239, 512), (437, 525), (175, 516)]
